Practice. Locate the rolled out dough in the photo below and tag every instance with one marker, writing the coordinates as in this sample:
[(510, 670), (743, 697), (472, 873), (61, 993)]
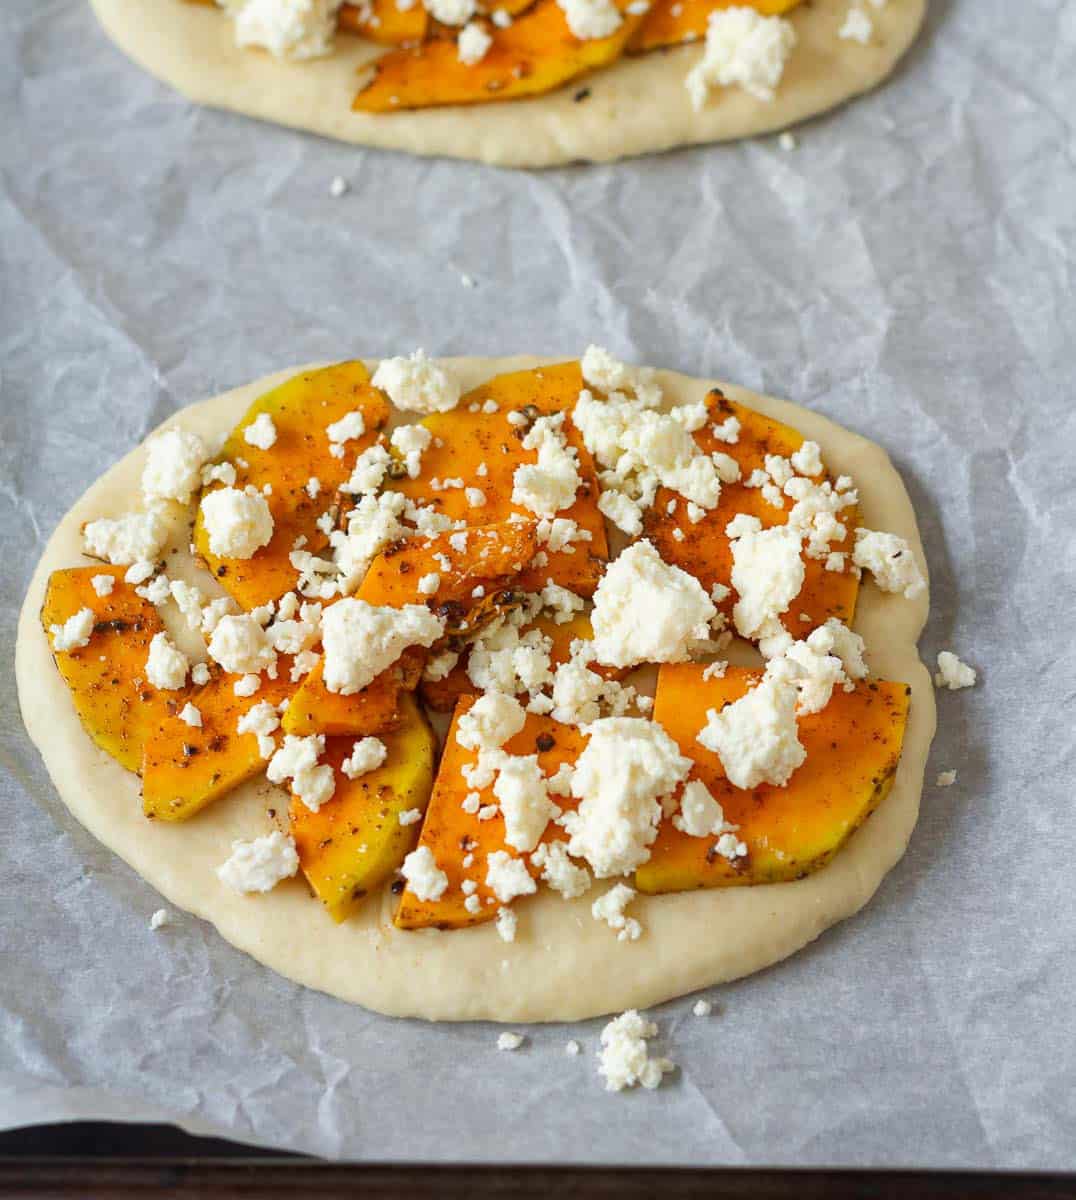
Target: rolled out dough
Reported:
[(564, 965)]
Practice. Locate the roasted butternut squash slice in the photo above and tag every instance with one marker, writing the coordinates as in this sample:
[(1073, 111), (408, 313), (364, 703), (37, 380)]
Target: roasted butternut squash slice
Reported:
[(442, 694), (184, 767), (377, 707), (355, 841), (483, 449), (381, 21), (535, 54), (485, 556), (454, 835), (704, 551), (115, 704), (670, 22), (853, 747), (301, 409)]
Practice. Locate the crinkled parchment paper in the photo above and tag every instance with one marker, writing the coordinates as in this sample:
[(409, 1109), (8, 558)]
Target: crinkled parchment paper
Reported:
[(908, 270)]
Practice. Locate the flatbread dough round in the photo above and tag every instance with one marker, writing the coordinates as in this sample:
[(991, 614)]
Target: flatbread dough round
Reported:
[(563, 965), (637, 106)]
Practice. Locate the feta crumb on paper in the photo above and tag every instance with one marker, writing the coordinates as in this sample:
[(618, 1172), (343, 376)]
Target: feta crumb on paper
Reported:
[(509, 1041), (954, 674), (702, 1008), (945, 779), (624, 1058), (160, 918)]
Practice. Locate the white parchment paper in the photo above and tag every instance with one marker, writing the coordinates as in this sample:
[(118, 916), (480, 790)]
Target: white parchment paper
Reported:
[(908, 270)]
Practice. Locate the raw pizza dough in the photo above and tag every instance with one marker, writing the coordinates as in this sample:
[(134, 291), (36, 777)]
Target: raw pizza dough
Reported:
[(563, 965), (637, 106)]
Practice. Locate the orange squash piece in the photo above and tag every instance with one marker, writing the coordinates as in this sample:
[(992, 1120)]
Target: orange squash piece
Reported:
[(184, 768), (314, 709), (853, 748), (705, 551), (535, 54), (118, 708), (670, 22), (452, 834), (492, 556), (301, 410), (470, 439), (381, 21), (354, 842)]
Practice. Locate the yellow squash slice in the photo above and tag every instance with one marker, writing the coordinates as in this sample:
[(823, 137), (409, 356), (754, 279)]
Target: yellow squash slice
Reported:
[(355, 840), (473, 440), (373, 709), (535, 54), (704, 551), (453, 835), (118, 708), (382, 21), (301, 409), (853, 747)]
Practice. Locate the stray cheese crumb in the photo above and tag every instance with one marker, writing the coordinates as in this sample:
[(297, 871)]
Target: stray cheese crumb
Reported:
[(857, 27), (160, 918), (506, 924), (702, 1008), (952, 673), (610, 909), (258, 866), (509, 1041), (572, 1048), (945, 779), (624, 1060)]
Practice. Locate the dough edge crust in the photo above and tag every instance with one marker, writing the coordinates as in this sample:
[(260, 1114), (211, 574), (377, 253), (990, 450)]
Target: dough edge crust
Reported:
[(564, 966), (637, 106)]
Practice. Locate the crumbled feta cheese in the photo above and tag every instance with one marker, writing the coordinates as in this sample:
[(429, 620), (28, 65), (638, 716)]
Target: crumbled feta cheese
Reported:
[(509, 1041), (411, 441), (218, 473), (410, 816), (157, 591), (200, 674), (368, 474), (349, 428), (503, 660), (361, 640), (261, 432), (297, 760), (237, 523), (286, 28), (756, 738), (702, 1008), (524, 800), (173, 469), (572, 1048), (610, 909), (247, 686), (767, 572), (473, 44), (75, 632), (508, 877), (890, 560), (415, 384), (832, 655), (700, 814), (808, 459), (628, 765), (507, 923), (428, 584), (624, 1059), (190, 715), (476, 498), (606, 373), (857, 26), (591, 18), (103, 584), (559, 871), (166, 667), (424, 877), (240, 645), (945, 779), (551, 483), (262, 720), (952, 673), (367, 754), (490, 722), (646, 610), (258, 866), (744, 48), (338, 187), (160, 918), (134, 537)]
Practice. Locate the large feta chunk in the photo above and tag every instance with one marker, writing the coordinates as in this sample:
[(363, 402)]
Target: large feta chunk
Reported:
[(361, 640)]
